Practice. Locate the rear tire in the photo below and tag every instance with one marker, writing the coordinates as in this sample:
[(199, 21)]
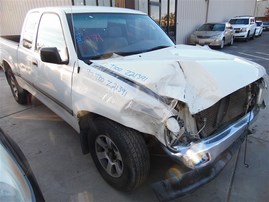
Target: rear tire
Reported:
[(19, 94), (120, 154)]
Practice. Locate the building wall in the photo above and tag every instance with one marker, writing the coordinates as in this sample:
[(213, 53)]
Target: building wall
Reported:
[(230, 8), (261, 8), (192, 13), (12, 13)]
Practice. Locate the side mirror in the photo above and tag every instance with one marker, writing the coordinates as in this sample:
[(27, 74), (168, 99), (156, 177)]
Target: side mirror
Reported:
[(51, 55)]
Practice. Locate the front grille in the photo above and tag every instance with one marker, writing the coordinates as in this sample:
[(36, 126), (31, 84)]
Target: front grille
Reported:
[(227, 110)]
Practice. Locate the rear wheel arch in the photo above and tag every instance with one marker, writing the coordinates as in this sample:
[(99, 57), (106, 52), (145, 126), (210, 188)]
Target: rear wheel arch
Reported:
[(20, 95), (6, 67)]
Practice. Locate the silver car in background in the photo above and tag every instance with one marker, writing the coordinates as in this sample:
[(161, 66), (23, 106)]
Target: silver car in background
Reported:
[(213, 34)]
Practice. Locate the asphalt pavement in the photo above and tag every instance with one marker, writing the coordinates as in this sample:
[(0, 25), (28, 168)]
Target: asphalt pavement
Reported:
[(53, 150)]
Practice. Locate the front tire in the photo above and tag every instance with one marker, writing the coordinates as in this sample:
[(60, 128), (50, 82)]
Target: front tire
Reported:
[(19, 94), (120, 155)]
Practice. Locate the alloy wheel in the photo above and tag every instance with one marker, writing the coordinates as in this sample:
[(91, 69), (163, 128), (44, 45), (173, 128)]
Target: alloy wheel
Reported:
[(109, 156)]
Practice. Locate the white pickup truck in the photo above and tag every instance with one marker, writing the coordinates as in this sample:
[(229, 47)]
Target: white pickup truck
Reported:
[(122, 84), (244, 27)]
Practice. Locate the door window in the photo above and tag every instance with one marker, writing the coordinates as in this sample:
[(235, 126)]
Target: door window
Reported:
[(50, 34), (29, 30)]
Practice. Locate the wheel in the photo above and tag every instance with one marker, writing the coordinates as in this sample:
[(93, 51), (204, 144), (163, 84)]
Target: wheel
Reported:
[(120, 154), (231, 42), (18, 93)]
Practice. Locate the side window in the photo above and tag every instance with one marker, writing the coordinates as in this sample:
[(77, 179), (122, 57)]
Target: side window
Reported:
[(50, 34), (29, 29)]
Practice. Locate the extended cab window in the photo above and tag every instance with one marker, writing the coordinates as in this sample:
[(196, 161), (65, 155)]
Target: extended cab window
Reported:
[(29, 30), (50, 34)]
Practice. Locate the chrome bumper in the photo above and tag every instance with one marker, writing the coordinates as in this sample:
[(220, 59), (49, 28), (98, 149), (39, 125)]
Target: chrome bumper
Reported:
[(202, 153)]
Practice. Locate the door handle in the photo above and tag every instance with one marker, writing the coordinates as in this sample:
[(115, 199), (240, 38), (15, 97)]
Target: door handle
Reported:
[(34, 62)]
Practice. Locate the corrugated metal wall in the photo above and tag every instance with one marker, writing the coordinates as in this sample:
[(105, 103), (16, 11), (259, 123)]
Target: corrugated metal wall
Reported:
[(190, 14), (230, 8), (12, 13)]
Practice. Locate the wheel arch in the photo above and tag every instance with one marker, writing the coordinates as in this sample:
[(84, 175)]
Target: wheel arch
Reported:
[(87, 126), (6, 67)]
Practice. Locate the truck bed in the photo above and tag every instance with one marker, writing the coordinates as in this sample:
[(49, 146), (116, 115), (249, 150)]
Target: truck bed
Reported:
[(14, 38)]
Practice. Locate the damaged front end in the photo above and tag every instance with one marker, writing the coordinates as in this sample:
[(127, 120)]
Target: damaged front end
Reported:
[(206, 140), (202, 137)]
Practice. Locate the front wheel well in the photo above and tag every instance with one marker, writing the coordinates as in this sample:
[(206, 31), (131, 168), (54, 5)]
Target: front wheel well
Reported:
[(87, 127)]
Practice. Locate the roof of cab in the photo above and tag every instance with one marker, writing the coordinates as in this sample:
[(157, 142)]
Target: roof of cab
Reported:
[(88, 9)]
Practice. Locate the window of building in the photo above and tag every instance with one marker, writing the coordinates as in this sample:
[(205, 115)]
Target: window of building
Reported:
[(110, 3), (163, 12)]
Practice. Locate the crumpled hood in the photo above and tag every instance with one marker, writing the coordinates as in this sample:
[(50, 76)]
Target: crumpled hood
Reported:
[(197, 76)]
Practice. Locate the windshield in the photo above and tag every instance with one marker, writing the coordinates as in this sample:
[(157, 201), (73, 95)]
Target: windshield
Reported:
[(212, 27), (99, 35), (239, 21)]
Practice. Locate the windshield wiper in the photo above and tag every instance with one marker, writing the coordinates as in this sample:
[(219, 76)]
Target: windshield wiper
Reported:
[(104, 56)]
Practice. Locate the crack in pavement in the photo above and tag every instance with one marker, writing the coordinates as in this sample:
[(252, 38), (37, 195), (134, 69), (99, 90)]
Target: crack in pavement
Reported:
[(17, 112)]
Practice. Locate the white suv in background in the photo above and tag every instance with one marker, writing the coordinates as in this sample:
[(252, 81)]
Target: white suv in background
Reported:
[(244, 27)]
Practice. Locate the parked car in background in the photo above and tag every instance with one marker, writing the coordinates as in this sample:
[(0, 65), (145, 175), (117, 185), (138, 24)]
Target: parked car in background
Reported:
[(213, 34), (265, 26), (259, 28), (244, 27), (17, 182)]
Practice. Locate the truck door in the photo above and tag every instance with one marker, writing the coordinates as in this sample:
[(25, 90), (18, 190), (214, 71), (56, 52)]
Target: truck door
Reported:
[(26, 48), (53, 80)]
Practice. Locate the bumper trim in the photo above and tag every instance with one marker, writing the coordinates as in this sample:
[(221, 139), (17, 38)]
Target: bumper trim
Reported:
[(188, 182), (202, 153)]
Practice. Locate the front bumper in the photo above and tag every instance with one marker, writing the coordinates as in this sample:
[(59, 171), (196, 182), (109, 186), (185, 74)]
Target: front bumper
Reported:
[(209, 42), (241, 35), (203, 153), (221, 147), (178, 186)]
